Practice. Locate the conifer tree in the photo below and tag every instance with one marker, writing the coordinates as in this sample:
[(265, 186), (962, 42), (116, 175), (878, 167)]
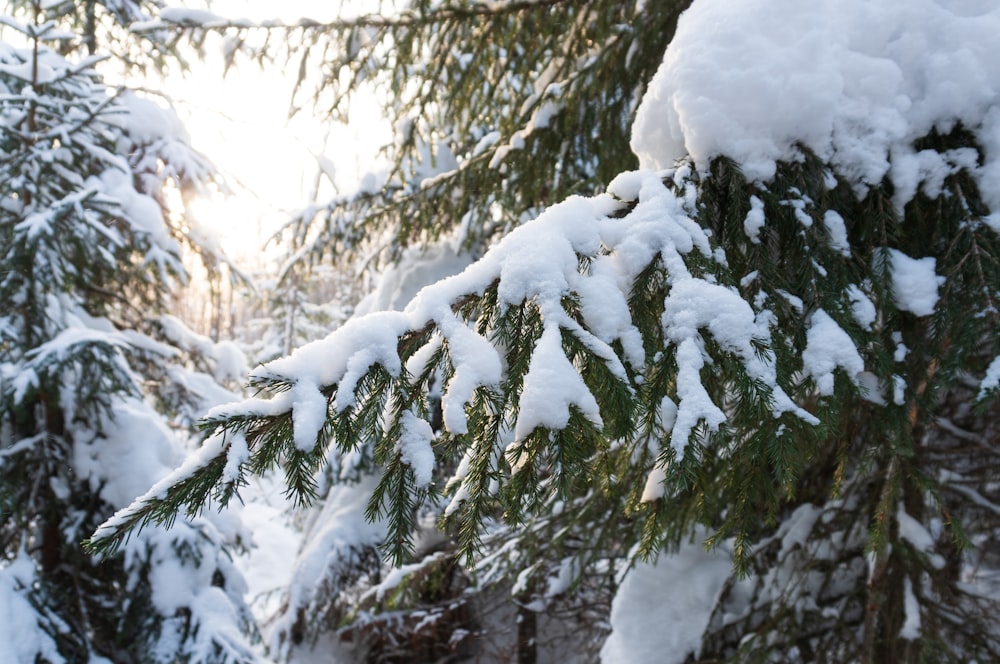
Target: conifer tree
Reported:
[(290, 312), (98, 385), (788, 345)]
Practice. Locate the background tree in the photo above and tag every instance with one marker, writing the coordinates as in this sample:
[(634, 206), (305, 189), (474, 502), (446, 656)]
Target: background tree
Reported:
[(782, 333), (539, 102), (98, 386)]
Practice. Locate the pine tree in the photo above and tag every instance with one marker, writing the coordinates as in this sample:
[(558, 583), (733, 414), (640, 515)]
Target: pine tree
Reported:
[(701, 349), (98, 386)]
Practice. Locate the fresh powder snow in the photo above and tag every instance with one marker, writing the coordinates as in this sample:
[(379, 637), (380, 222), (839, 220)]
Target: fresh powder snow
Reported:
[(914, 283), (828, 347), (21, 637), (662, 608), (855, 81)]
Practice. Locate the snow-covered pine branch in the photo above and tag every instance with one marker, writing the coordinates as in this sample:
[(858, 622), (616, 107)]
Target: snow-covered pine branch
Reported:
[(542, 328)]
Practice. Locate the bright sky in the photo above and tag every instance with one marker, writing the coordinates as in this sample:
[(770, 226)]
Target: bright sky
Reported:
[(273, 164)]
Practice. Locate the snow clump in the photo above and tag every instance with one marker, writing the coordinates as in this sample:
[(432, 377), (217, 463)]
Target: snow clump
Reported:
[(854, 81)]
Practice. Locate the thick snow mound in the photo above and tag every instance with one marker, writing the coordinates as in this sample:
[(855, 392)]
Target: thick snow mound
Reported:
[(662, 609), (855, 81)]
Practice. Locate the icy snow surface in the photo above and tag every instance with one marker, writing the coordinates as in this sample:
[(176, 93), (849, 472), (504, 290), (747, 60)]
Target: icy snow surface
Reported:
[(855, 81)]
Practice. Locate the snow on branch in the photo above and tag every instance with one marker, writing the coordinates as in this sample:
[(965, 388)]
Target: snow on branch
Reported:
[(543, 324), (855, 82), (577, 325)]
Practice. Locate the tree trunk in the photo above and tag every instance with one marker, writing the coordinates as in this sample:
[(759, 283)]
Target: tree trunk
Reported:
[(527, 633)]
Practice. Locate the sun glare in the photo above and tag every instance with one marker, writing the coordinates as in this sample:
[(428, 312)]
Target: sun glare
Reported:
[(272, 164)]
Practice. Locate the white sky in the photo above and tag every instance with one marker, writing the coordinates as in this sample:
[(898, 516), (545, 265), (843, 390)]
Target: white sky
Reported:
[(241, 123)]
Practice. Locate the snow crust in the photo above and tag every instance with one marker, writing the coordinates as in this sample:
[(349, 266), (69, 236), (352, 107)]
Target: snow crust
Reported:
[(855, 81)]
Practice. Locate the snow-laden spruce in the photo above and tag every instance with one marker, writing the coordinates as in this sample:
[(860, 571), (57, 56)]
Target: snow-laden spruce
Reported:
[(539, 263), (779, 338)]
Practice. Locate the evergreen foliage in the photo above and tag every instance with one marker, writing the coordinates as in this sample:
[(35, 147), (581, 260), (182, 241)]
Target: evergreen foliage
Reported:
[(570, 438), (887, 462), (89, 254), (539, 106), (500, 109), (290, 312)]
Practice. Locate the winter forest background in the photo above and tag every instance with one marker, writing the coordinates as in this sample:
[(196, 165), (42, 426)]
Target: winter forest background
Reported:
[(643, 331)]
